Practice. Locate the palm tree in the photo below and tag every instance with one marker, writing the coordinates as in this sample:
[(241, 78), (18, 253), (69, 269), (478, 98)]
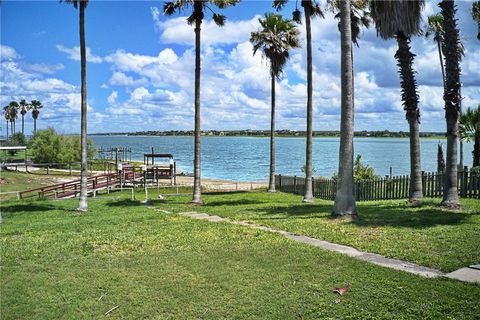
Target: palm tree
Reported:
[(6, 114), (82, 4), (196, 18), (469, 126), (401, 20), (359, 17), (24, 106), (345, 195), (310, 10), (435, 28), (275, 38), (452, 98), (476, 15), (35, 106), (13, 110)]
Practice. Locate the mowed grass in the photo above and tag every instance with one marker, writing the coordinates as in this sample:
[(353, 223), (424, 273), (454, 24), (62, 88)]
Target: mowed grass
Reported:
[(19, 181), (426, 235), (57, 264)]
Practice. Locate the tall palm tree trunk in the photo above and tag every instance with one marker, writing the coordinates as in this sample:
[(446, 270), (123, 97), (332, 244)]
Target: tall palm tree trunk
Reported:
[(440, 56), (7, 128), (271, 183), (23, 124), (34, 126), (197, 184), (308, 195), (82, 205), (410, 101), (452, 99), (345, 196)]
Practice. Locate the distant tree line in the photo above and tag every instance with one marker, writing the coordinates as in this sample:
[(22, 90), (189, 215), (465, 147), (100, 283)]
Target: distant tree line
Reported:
[(281, 133)]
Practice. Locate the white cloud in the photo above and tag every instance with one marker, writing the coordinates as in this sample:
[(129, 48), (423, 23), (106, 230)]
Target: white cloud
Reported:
[(44, 68), (176, 30), (112, 98), (7, 52), (74, 54), (121, 79)]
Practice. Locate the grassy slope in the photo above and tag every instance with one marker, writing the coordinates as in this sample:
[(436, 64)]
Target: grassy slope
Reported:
[(18, 181), (56, 265), (425, 235)]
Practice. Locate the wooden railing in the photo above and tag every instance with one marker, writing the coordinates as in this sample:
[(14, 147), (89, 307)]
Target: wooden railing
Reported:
[(397, 187), (72, 188)]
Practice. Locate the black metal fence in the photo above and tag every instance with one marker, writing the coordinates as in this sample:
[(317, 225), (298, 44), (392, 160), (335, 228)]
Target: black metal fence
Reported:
[(396, 187)]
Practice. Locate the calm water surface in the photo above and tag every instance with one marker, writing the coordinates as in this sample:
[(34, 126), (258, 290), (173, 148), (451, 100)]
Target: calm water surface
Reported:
[(247, 158)]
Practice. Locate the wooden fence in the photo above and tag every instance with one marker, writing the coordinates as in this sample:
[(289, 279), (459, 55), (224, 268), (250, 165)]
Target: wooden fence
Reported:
[(396, 187)]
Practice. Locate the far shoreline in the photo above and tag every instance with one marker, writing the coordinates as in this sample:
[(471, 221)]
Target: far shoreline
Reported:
[(257, 136)]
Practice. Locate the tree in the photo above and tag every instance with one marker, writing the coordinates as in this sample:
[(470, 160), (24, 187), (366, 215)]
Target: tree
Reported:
[(358, 17), (196, 19), (12, 110), (345, 195), (82, 4), (275, 38), (6, 114), (24, 106), (469, 126), (35, 106), (401, 20), (452, 98), (435, 27), (440, 160), (476, 15), (311, 9)]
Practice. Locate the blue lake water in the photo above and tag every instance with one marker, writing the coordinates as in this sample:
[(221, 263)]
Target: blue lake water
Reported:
[(247, 158)]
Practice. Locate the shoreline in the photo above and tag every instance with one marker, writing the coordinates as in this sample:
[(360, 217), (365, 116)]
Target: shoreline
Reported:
[(255, 136)]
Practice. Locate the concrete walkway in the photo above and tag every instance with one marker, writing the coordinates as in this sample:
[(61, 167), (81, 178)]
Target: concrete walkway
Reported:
[(468, 274)]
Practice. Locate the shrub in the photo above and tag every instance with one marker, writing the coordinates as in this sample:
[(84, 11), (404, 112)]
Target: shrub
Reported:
[(361, 171), (15, 140), (49, 147)]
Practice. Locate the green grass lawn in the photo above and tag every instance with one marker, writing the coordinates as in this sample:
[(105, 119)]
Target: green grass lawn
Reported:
[(56, 264), (426, 235), (19, 181)]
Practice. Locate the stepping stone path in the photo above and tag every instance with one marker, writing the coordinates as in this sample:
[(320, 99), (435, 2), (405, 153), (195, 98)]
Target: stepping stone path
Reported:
[(468, 274)]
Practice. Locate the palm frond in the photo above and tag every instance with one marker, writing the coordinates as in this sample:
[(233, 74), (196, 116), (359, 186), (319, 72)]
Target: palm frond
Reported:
[(219, 19), (279, 4), (297, 16), (275, 38), (392, 17)]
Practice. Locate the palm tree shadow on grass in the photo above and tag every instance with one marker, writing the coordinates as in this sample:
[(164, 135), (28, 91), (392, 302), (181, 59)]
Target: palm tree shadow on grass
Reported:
[(404, 216), (26, 208), (370, 215), (236, 202), (135, 203)]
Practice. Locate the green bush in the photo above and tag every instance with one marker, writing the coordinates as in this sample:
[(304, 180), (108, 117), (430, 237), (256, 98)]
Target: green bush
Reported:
[(15, 140), (47, 146), (361, 171)]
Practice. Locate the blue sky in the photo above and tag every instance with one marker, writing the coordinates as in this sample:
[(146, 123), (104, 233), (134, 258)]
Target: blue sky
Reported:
[(140, 70)]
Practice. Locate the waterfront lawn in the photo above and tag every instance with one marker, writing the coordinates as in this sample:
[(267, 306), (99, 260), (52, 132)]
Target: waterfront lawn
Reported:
[(19, 181), (57, 264), (426, 235)]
